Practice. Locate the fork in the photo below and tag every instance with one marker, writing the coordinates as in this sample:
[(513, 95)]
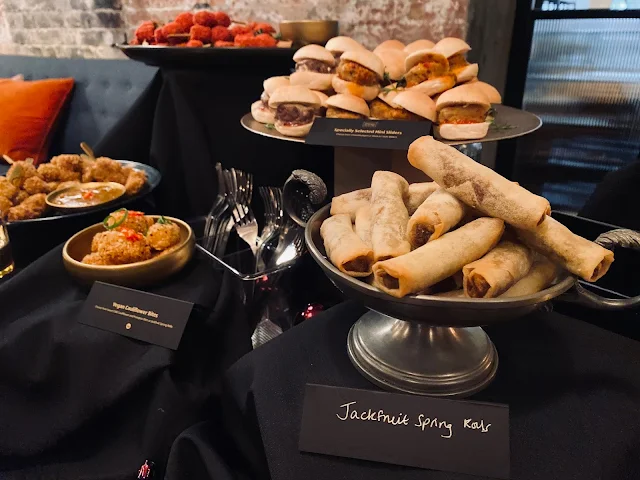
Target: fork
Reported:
[(218, 208), (246, 224)]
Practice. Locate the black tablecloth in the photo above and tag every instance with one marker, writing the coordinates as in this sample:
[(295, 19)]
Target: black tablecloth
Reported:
[(77, 402), (573, 391)]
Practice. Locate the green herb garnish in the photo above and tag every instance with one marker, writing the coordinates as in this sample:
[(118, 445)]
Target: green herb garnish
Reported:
[(258, 32), (386, 78), (111, 222), (402, 83), (270, 126), (163, 221)]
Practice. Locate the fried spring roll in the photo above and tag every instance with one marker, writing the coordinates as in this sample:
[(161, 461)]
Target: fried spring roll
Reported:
[(344, 248), (418, 193), (542, 274), (389, 216), (438, 214), (580, 256), (497, 271), (437, 260), (476, 185), (363, 224), (351, 202)]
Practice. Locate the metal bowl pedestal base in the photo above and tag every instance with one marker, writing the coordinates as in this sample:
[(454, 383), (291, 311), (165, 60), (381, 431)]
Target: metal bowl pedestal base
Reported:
[(417, 358)]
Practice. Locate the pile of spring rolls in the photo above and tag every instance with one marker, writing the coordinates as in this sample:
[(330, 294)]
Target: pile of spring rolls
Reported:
[(469, 233)]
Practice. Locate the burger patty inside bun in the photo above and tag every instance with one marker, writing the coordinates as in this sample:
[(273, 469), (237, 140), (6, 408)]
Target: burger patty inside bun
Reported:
[(313, 65), (356, 73), (333, 112), (384, 111), (295, 113), (463, 114)]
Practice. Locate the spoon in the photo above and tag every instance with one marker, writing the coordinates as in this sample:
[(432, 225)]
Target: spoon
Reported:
[(88, 150), (302, 193)]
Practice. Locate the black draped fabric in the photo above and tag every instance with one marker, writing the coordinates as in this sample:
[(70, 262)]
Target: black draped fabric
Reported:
[(77, 402), (190, 119), (573, 391)]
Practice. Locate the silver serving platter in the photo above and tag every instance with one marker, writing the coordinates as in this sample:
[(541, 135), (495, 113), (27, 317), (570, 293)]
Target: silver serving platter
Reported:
[(432, 345), (153, 180), (509, 123)]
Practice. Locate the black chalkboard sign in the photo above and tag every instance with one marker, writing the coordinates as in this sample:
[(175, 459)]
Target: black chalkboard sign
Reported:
[(450, 435), (386, 134)]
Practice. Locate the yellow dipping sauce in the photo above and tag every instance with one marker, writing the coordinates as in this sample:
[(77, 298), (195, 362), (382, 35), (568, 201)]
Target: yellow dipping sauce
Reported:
[(87, 196)]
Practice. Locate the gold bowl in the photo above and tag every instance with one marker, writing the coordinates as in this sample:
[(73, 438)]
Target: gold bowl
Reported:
[(303, 32), (137, 274)]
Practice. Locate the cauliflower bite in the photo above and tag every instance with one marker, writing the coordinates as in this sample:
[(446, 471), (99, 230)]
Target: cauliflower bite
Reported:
[(94, 259), (107, 170), (5, 205), (135, 221), (118, 247), (7, 189), (135, 181), (98, 240), (163, 235), (32, 207), (20, 197), (53, 173), (33, 185), (73, 163), (19, 172)]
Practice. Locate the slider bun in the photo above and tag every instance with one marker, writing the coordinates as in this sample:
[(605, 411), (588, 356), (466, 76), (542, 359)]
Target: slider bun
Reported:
[(389, 45), (363, 91), (343, 44), (389, 95), (421, 44), (293, 94), (366, 59), (467, 73), (416, 102), (316, 52), (323, 98), (293, 131), (466, 131), (436, 86), (350, 103), (450, 46), (426, 55), (463, 95), (270, 85), (261, 114), (312, 80), (489, 90), (393, 61)]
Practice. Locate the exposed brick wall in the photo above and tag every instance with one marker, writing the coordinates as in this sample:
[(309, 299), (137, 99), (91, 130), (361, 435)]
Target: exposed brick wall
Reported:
[(87, 28)]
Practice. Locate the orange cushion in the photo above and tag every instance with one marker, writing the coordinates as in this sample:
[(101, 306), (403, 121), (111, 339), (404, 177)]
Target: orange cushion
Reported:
[(28, 114)]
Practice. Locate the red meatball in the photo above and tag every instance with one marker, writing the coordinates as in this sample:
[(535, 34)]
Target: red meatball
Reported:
[(206, 18), (222, 19), (160, 35), (194, 43), (171, 29), (251, 40), (222, 44), (263, 28), (220, 33), (200, 32), (144, 33), (185, 20)]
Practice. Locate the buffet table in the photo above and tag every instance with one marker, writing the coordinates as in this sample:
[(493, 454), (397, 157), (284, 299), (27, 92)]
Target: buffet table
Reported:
[(573, 391)]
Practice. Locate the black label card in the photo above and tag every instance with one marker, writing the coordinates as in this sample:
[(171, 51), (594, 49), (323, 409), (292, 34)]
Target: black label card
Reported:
[(456, 436), (388, 134), (140, 315)]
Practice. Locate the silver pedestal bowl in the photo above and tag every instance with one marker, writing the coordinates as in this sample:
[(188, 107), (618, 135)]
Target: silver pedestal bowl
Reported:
[(431, 345)]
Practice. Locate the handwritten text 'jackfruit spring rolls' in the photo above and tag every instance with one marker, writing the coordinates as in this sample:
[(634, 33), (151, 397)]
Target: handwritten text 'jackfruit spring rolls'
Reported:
[(476, 185), (437, 260), (580, 256), (344, 248)]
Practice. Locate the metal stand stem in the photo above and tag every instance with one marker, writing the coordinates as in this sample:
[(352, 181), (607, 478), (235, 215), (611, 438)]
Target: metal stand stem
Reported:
[(417, 358)]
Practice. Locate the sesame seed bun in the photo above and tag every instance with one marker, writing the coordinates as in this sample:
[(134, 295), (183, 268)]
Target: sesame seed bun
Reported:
[(393, 61), (350, 103), (316, 52), (416, 102), (365, 58), (363, 91), (421, 44), (293, 94), (450, 46)]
